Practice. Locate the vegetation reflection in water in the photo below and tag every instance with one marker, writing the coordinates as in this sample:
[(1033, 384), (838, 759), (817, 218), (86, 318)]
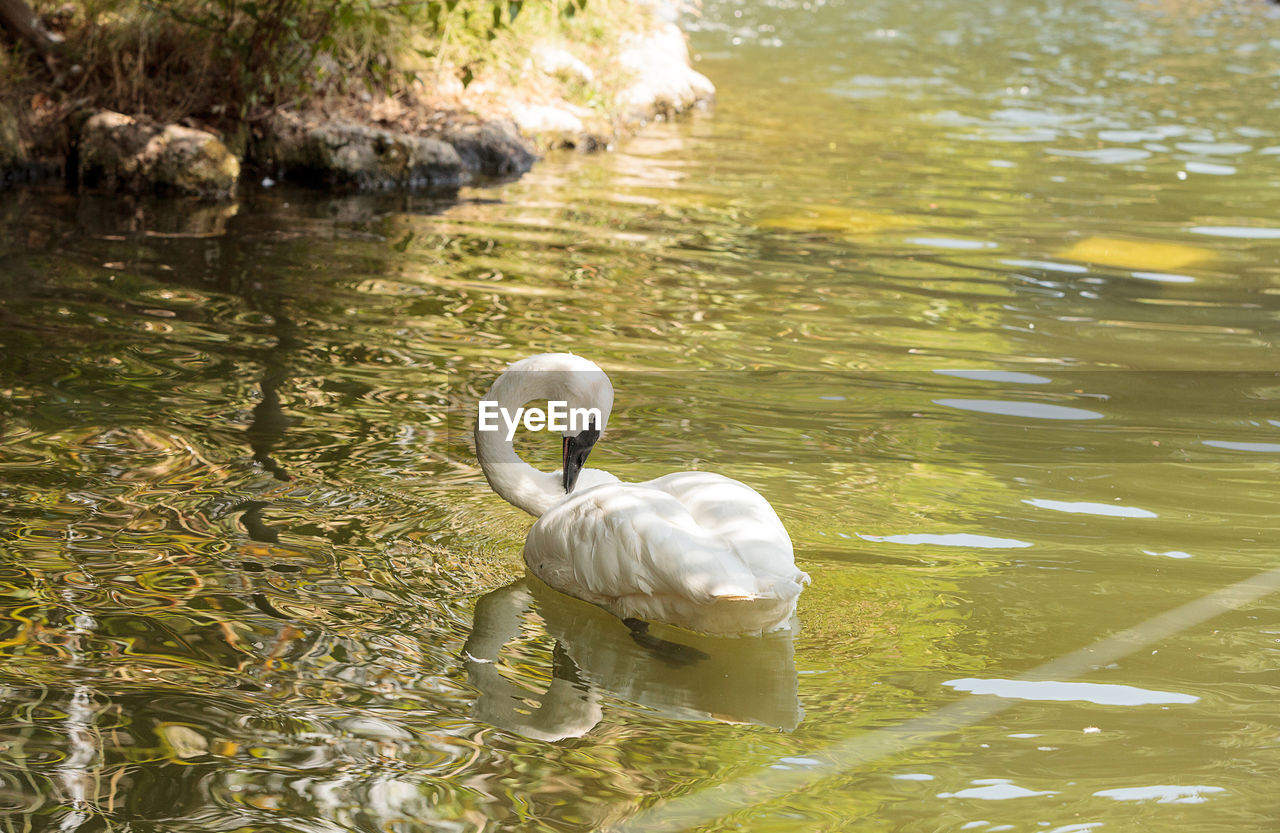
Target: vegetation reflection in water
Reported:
[(981, 301)]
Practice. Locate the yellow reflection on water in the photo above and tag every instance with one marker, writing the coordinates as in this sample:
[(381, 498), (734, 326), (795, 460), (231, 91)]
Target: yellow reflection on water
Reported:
[(1135, 254)]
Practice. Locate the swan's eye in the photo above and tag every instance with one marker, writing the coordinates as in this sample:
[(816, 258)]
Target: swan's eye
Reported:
[(575, 451)]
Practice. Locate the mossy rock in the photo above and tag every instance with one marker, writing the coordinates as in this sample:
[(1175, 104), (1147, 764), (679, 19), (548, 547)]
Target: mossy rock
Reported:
[(494, 148), (370, 158), (127, 154), (344, 154)]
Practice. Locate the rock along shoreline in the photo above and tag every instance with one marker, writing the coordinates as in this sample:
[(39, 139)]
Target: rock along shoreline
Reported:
[(112, 151)]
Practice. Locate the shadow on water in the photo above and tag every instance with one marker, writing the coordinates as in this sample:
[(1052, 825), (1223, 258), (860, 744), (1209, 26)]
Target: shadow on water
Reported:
[(269, 424)]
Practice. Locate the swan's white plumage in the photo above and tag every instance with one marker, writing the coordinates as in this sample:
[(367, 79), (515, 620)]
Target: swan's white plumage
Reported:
[(692, 549)]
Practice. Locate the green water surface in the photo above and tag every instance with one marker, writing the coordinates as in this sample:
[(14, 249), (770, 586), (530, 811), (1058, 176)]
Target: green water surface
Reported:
[(251, 578)]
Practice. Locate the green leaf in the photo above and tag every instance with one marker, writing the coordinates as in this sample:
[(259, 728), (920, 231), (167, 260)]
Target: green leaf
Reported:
[(513, 8), (467, 77)]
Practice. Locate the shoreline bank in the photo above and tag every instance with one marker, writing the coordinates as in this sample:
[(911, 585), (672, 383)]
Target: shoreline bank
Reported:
[(448, 136)]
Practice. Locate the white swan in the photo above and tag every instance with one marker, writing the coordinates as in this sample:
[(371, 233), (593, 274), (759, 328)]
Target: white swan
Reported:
[(693, 549)]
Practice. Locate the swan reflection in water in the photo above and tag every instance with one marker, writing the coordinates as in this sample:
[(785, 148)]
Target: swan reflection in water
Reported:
[(673, 673)]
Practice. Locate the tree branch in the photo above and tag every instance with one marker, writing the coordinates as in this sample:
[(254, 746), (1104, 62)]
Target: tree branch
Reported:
[(21, 22)]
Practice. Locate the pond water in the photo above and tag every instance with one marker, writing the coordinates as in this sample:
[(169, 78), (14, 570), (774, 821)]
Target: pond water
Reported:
[(982, 297)]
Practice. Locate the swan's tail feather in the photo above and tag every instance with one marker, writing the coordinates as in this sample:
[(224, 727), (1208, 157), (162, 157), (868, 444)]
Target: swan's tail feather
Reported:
[(734, 613)]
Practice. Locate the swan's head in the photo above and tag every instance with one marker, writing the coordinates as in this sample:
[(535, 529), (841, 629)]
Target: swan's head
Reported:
[(574, 451), (579, 398)]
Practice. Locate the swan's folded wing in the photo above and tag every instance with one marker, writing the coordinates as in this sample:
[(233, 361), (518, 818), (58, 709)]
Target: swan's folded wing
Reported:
[(624, 540), (743, 519)]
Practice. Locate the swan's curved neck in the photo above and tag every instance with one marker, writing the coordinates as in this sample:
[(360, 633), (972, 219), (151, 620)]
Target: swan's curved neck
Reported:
[(515, 480)]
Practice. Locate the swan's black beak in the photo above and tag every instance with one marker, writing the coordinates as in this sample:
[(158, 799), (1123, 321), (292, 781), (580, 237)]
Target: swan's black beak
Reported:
[(575, 451)]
